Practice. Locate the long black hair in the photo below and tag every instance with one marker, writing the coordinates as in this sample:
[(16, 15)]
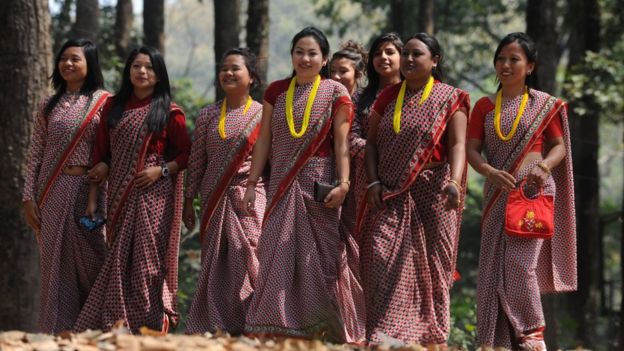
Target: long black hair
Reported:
[(320, 39), (530, 50), (93, 80), (369, 93), (434, 48), (158, 115), (251, 63)]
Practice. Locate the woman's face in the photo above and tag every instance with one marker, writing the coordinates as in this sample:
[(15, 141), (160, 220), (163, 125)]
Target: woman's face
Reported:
[(512, 65), (142, 75), (72, 66), (416, 60), (307, 58), (343, 71), (386, 60), (234, 76)]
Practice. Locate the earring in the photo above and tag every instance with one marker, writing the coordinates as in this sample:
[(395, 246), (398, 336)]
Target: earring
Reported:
[(529, 73)]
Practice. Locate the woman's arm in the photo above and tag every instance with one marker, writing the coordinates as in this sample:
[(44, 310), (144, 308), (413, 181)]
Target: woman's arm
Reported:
[(497, 177), (456, 157), (373, 189), (541, 171), (340, 126), (259, 157)]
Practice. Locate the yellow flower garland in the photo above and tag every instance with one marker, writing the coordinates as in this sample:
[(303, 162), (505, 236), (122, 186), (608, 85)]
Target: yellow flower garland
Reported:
[(308, 109), (497, 115), (396, 120), (223, 113)]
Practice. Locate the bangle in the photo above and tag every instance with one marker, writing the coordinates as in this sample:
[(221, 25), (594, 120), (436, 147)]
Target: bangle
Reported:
[(456, 183), (544, 167), (345, 181), (373, 184), (251, 182), (488, 172)]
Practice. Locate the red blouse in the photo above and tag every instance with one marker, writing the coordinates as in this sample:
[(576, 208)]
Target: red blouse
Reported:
[(174, 132), (388, 95), (280, 87), (485, 105)]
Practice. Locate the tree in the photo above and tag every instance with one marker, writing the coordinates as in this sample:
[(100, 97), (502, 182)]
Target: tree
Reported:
[(425, 16), (258, 38), (154, 24), (87, 23), (541, 19), (584, 24), (24, 67), (227, 28), (123, 26)]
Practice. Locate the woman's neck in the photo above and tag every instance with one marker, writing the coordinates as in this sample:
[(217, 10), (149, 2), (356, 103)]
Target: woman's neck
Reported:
[(73, 88), (385, 81), (513, 90), (417, 84), (236, 100), (303, 81), (143, 93)]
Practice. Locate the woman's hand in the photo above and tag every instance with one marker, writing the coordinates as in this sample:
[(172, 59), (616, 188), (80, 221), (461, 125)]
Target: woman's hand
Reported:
[(188, 214), (249, 200), (537, 176), (98, 173), (147, 177), (501, 179), (373, 196), (91, 208), (32, 216), (452, 194), (336, 196)]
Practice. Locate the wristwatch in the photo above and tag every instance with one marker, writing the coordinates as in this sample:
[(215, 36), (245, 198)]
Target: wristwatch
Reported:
[(165, 170)]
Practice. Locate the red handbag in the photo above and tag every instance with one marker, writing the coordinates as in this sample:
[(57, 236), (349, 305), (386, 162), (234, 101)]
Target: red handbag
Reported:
[(529, 218)]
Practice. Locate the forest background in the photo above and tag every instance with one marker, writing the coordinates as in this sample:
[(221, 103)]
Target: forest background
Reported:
[(581, 45)]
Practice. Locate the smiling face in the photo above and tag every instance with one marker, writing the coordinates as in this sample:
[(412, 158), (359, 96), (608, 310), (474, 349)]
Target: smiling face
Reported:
[(307, 59), (234, 76), (343, 71), (512, 65), (142, 75), (417, 61), (386, 60), (72, 66)]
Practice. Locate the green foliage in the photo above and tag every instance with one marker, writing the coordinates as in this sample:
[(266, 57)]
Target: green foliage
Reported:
[(187, 97)]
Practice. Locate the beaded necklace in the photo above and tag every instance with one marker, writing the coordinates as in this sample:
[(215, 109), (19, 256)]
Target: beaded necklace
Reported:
[(221, 127), (396, 120), (308, 109), (497, 115)]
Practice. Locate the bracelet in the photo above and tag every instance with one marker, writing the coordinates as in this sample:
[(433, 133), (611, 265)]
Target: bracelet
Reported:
[(488, 172), (251, 182), (373, 184), (544, 167), (456, 183), (345, 181)]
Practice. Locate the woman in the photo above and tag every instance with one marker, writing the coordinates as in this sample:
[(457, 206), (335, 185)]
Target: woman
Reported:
[(304, 286), (415, 163), (56, 185), (348, 65), (144, 142), (525, 136), (218, 167), (382, 70)]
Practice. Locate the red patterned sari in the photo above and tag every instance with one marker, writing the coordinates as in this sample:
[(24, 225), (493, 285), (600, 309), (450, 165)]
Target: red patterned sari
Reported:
[(219, 169), (139, 279), (70, 256), (408, 249), (513, 272), (305, 286)]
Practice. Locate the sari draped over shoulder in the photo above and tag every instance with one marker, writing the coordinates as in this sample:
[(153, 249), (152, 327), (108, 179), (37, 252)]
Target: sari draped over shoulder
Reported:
[(408, 249), (218, 169), (139, 279), (513, 272), (305, 286), (70, 256)]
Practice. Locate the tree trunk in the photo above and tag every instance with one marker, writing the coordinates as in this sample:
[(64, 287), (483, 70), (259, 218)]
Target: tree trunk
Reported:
[(87, 23), (621, 329), (25, 55), (585, 36), (227, 28), (425, 16), (396, 22), (123, 27), (541, 20), (61, 25), (154, 24), (258, 39)]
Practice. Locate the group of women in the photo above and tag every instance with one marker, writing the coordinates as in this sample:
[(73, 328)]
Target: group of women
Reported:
[(328, 210)]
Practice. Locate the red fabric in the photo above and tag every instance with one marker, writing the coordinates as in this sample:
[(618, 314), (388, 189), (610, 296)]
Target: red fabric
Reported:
[(485, 106), (387, 99), (280, 87), (529, 218), (175, 133)]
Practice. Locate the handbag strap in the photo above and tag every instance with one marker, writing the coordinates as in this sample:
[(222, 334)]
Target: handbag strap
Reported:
[(520, 188)]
